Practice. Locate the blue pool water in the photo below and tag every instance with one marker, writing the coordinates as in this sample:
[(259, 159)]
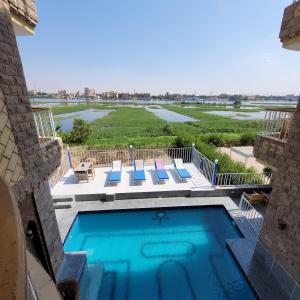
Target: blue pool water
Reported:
[(172, 254)]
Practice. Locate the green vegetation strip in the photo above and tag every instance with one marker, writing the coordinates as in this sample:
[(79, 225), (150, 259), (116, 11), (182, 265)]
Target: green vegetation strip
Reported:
[(141, 128)]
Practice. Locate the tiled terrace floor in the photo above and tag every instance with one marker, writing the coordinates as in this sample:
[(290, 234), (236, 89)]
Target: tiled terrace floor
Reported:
[(99, 185)]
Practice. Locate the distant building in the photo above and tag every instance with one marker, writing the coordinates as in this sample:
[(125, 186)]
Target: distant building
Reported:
[(110, 95), (251, 98), (77, 95), (89, 93), (123, 96), (142, 95), (62, 94)]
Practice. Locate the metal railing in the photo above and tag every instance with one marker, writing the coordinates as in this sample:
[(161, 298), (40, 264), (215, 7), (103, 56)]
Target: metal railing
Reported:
[(167, 154), (105, 157), (277, 123), (102, 158), (254, 218), (205, 166), (243, 179), (44, 124)]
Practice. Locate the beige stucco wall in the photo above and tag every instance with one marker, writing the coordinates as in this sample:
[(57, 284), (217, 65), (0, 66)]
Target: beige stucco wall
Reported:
[(12, 250), (11, 169)]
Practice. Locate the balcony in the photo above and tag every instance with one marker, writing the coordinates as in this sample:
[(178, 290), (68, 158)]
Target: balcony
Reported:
[(290, 28), (44, 124), (50, 144), (271, 141)]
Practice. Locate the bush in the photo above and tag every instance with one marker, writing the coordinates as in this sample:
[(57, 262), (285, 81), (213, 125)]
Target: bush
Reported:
[(167, 130), (226, 164), (248, 139), (79, 134), (216, 140)]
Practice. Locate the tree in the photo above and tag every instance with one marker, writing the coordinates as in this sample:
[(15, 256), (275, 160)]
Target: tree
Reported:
[(79, 134), (81, 131)]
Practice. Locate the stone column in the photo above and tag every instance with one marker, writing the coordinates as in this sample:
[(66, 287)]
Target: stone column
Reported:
[(19, 144), (281, 228)]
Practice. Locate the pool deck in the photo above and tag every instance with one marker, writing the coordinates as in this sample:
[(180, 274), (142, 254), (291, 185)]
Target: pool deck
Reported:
[(267, 278), (99, 186)]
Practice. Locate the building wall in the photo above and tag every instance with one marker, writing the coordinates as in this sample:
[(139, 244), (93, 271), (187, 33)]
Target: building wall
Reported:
[(23, 163), (25, 9), (281, 228), (268, 150), (290, 27)]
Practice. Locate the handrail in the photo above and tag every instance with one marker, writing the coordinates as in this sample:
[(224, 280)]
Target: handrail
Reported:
[(277, 123), (205, 165), (44, 123), (127, 155), (242, 179), (253, 217)]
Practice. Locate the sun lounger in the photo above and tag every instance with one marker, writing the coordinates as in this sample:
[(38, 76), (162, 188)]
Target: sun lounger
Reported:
[(161, 172), (181, 170), (116, 170), (139, 173)]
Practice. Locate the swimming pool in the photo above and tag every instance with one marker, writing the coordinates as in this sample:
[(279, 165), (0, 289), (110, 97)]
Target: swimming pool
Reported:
[(163, 254)]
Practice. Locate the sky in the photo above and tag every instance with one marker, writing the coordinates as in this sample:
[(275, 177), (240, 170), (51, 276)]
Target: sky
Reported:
[(159, 46)]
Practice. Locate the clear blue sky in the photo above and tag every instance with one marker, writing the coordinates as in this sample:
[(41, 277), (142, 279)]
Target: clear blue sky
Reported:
[(216, 46)]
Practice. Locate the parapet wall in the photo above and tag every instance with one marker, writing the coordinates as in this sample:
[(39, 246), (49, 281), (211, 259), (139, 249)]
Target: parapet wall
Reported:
[(268, 150)]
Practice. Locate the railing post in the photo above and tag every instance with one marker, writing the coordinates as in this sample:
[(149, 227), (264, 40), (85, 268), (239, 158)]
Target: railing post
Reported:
[(193, 152), (201, 164), (215, 173), (69, 157), (131, 154)]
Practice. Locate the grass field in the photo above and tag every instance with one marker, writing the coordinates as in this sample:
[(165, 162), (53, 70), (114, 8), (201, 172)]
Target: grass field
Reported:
[(141, 128)]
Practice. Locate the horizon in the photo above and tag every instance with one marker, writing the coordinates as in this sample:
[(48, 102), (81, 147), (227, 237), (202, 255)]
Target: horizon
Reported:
[(162, 46)]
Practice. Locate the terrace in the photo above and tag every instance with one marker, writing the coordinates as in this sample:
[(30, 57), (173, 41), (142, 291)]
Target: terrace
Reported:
[(205, 179)]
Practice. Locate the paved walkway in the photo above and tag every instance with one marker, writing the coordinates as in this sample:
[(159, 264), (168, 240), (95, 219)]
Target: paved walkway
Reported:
[(248, 162)]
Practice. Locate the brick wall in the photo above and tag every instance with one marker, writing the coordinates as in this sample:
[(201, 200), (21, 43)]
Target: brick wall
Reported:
[(11, 169), (24, 165), (290, 27), (25, 9), (281, 228), (268, 150)]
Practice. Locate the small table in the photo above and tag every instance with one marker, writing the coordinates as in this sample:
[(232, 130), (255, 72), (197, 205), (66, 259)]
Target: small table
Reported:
[(81, 172)]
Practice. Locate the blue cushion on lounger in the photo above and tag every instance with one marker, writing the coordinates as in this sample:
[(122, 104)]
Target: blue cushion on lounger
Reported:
[(162, 174), (183, 173), (139, 175), (114, 176)]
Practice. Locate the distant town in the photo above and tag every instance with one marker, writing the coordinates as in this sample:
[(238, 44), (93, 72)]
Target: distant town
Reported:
[(91, 94)]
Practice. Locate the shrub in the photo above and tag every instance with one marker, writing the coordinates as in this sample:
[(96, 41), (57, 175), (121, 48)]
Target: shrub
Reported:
[(79, 134), (216, 140), (226, 164), (167, 130), (248, 139)]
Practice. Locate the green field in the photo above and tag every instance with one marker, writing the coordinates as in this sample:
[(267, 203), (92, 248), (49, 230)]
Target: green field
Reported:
[(138, 127)]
